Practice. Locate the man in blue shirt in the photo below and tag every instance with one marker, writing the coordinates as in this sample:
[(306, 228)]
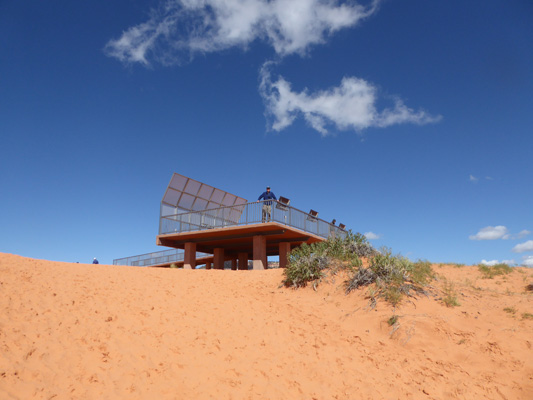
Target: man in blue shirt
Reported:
[(267, 205)]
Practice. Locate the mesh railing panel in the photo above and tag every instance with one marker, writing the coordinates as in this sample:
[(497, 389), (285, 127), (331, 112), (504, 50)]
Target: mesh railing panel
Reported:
[(246, 214), (155, 258)]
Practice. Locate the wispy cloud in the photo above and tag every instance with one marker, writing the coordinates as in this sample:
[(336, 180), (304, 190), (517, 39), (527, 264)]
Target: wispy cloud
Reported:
[(489, 263), (523, 247), (179, 29), (498, 232), (491, 233), (494, 262), (522, 233), (182, 28), (351, 105), (372, 236), (528, 261), (475, 179)]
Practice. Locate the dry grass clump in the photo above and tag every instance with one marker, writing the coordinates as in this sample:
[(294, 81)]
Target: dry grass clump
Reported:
[(490, 272), (450, 295), (510, 310), (393, 277)]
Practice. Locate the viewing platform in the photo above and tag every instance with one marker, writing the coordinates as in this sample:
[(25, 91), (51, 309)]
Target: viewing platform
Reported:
[(213, 227)]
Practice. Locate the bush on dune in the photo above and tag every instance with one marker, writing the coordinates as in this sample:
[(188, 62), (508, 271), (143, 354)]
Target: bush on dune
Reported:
[(393, 277), (308, 263), (490, 272)]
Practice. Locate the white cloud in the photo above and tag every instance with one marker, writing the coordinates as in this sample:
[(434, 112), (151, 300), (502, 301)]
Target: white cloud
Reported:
[(204, 26), (522, 247), (522, 233), (528, 261), (372, 236), (351, 105), (494, 262), (490, 263), (475, 179), (491, 233)]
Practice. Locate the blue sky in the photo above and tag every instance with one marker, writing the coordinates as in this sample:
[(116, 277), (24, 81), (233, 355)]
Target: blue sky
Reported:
[(409, 121)]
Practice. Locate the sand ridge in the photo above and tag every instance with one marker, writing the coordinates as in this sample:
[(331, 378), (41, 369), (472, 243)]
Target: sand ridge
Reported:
[(78, 331)]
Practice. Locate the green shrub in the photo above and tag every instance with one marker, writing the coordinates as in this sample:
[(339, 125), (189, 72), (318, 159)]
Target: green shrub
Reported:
[(421, 273), (354, 244), (490, 272), (510, 310), (173, 265), (307, 263), (527, 315), (393, 276)]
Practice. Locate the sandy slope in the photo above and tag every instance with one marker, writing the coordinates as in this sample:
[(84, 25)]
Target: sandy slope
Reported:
[(76, 331)]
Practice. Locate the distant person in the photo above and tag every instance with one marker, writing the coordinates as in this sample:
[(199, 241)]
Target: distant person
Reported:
[(95, 261), (267, 205), (332, 229)]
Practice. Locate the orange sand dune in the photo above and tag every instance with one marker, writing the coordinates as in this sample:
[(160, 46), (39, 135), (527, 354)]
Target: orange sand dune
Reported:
[(76, 331)]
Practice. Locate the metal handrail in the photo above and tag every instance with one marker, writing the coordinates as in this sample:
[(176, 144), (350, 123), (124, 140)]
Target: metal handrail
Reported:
[(155, 258), (246, 214)]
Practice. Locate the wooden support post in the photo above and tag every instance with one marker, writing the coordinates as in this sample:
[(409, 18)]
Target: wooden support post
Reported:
[(189, 260), (234, 264), (243, 261), (218, 259), (207, 265), (259, 256), (284, 249)]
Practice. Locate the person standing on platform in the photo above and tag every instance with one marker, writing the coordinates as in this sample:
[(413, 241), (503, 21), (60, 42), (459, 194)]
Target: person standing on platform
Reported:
[(268, 196), (95, 261)]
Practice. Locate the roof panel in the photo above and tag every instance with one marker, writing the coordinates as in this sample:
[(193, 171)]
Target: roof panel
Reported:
[(192, 187), (178, 182), (218, 196), (229, 199), (190, 195), (206, 191), (171, 197)]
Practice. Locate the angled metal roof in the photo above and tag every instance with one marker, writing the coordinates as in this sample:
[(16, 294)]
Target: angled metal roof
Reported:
[(184, 194)]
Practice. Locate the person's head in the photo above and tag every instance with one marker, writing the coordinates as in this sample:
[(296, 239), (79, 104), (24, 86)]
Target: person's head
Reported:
[(268, 188)]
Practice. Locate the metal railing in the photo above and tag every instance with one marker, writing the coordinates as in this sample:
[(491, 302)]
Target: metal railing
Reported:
[(247, 214), (170, 256), (244, 214), (155, 258)]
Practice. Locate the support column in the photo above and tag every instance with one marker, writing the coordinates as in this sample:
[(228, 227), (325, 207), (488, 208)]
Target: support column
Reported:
[(243, 261), (218, 259), (259, 256), (284, 249), (189, 260), (207, 265), (233, 264)]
